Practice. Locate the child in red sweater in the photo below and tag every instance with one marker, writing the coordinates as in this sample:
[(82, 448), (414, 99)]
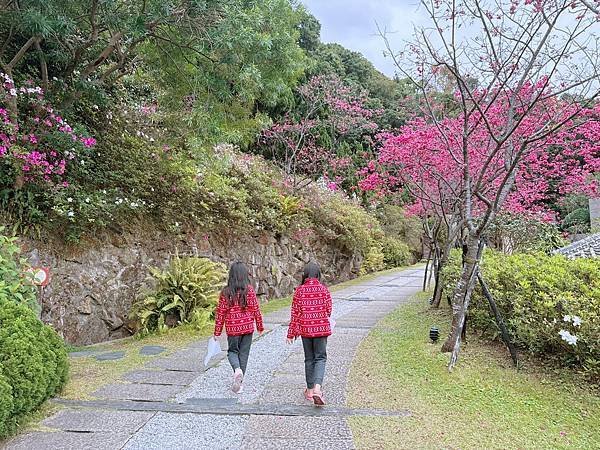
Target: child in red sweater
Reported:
[(311, 309), (238, 309)]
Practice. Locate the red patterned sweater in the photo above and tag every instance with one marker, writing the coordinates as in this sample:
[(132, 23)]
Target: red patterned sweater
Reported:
[(238, 320), (311, 309)]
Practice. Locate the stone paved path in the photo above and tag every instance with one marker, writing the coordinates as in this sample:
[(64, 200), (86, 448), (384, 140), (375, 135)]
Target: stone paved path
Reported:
[(174, 402)]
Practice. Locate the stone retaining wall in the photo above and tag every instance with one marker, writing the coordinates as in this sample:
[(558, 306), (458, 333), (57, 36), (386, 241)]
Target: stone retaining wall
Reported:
[(92, 288)]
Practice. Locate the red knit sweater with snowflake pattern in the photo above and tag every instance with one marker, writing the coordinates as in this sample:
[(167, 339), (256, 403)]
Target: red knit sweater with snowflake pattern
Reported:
[(238, 320), (311, 309)]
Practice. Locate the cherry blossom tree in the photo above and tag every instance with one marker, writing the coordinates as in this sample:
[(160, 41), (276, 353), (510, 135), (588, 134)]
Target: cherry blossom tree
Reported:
[(304, 142), (525, 80)]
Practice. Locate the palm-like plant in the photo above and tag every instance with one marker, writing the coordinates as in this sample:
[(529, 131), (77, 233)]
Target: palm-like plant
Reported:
[(185, 291)]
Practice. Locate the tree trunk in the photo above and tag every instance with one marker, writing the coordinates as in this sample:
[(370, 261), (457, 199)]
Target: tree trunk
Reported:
[(462, 295), (445, 256), (499, 320)]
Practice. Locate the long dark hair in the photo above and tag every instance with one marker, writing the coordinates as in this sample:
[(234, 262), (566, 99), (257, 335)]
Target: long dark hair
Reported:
[(311, 270), (237, 285)]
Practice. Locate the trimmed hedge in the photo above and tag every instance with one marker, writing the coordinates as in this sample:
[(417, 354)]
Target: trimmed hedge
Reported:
[(542, 299), (33, 364)]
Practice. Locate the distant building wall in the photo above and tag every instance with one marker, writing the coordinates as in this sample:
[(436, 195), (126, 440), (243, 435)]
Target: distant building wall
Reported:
[(595, 214)]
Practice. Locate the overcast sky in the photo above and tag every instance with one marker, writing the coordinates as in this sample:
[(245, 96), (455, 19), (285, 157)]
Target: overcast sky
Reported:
[(352, 23)]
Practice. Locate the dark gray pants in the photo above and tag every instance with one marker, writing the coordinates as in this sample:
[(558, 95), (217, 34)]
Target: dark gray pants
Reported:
[(239, 350), (315, 357)]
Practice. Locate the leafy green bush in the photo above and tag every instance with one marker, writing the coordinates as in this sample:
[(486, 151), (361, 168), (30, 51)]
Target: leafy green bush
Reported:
[(33, 363), (395, 252), (14, 282), (516, 233), (374, 260), (395, 223), (551, 305), (185, 292), (345, 223)]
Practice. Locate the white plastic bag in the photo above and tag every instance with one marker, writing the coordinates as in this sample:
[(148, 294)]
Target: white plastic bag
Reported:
[(213, 349), (332, 323)]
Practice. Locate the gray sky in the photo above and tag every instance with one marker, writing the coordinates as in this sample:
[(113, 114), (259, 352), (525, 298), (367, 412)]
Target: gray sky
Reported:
[(352, 23)]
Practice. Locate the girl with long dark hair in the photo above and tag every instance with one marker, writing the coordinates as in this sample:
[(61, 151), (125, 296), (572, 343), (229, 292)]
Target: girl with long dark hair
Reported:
[(311, 310), (239, 310)]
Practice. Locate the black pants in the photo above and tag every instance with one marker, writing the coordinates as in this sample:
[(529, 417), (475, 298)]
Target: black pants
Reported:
[(315, 357), (239, 350)]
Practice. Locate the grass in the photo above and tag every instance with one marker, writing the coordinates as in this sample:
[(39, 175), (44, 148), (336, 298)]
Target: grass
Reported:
[(484, 403), (88, 374), (275, 305)]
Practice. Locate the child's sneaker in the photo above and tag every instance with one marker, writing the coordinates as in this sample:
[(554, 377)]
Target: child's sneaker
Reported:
[(241, 391), (238, 378)]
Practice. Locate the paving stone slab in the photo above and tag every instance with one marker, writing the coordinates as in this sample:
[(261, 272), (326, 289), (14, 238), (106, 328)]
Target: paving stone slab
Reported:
[(68, 441), (88, 421), (298, 427), (143, 392), (239, 409), (152, 350), (111, 356), (178, 363), (264, 443), (188, 431), (176, 378)]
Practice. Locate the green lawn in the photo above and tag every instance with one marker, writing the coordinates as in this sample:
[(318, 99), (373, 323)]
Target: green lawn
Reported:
[(484, 403)]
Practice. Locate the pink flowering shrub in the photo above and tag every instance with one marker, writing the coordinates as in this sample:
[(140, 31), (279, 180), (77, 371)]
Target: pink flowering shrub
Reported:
[(37, 143)]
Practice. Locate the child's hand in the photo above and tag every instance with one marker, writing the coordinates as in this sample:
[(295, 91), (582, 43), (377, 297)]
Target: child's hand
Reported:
[(290, 341), (260, 333)]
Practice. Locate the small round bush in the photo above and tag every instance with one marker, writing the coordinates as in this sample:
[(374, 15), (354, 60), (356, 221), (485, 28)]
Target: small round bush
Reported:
[(33, 361), (395, 252)]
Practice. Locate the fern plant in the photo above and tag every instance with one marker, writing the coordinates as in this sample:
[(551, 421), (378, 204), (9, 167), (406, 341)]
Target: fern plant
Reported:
[(184, 292)]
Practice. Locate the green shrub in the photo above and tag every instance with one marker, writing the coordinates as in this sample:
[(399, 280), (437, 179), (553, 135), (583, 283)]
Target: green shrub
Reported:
[(374, 260), (14, 282), (539, 295), (185, 292), (395, 252), (346, 223), (33, 362), (513, 233), (6, 407), (408, 229)]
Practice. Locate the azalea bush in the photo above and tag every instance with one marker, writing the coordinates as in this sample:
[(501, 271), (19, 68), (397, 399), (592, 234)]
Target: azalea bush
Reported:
[(551, 305)]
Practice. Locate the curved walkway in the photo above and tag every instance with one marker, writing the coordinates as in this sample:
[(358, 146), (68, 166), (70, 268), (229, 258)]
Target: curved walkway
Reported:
[(176, 403)]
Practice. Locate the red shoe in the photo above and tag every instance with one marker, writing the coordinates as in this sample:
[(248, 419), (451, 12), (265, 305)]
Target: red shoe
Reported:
[(307, 397), (318, 399)]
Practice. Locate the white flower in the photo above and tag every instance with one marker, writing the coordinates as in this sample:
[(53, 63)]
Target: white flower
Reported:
[(13, 92), (577, 321), (134, 205), (87, 200), (70, 214), (567, 318), (177, 224), (568, 337), (70, 200)]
